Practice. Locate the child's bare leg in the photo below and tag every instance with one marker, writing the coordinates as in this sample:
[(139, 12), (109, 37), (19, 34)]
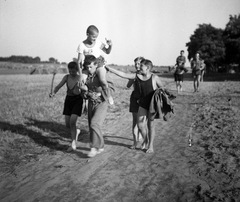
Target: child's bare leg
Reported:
[(67, 121), (180, 85), (85, 107), (73, 129), (202, 74), (194, 84), (177, 87), (142, 125), (151, 135), (198, 81), (135, 130)]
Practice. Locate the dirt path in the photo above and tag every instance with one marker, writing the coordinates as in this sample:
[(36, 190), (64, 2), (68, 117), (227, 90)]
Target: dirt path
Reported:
[(118, 174)]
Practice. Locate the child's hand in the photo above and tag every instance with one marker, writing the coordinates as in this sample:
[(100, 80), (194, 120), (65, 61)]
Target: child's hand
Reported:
[(51, 95), (108, 41), (110, 100), (106, 67)]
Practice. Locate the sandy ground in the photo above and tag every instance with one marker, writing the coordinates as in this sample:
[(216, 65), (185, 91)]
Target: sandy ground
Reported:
[(174, 172)]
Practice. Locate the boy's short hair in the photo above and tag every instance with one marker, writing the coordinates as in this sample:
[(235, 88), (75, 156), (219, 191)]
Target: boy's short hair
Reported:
[(100, 61), (148, 63), (91, 29), (138, 59), (88, 60), (73, 65), (182, 51)]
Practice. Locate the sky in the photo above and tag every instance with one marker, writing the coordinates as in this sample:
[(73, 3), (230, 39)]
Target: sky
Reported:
[(154, 29)]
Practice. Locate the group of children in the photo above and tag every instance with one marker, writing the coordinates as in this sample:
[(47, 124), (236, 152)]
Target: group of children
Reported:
[(198, 69), (87, 80)]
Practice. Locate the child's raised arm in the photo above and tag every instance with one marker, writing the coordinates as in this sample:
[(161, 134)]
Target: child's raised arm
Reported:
[(107, 50), (79, 63), (120, 73)]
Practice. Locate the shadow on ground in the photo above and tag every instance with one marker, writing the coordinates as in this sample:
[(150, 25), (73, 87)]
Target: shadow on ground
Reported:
[(49, 134)]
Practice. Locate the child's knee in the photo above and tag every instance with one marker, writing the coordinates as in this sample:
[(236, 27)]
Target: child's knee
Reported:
[(142, 127), (72, 123), (67, 125)]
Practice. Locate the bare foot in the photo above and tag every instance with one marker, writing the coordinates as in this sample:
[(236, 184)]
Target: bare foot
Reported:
[(150, 150), (133, 147), (100, 150), (144, 146), (74, 146)]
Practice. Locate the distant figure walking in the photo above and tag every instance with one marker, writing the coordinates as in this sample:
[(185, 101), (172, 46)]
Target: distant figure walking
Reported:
[(180, 70), (203, 71), (197, 65)]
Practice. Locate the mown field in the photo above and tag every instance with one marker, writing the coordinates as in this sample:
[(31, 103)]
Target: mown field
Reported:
[(35, 164)]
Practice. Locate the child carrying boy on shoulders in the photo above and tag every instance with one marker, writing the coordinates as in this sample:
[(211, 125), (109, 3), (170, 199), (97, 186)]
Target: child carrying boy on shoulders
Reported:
[(99, 97)]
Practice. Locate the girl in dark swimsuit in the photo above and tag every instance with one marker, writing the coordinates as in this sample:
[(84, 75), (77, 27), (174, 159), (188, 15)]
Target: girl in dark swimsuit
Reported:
[(147, 83)]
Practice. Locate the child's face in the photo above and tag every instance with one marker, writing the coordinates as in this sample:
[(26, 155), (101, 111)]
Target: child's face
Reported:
[(137, 65), (91, 68), (92, 36), (197, 56), (144, 69), (72, 71)]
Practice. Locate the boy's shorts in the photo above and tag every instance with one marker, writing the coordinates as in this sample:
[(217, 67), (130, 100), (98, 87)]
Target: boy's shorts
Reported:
[(73, 105), (178, 77), (196, 72)]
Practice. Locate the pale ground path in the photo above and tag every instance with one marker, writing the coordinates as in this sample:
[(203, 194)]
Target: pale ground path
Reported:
[(118, 174)]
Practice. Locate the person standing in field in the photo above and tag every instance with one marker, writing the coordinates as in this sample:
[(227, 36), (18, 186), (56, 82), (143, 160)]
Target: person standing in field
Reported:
[(73, 101), (99, 97), (203, 71), (91, 46), (197, 65), (147, 83), (180, 70), (137, 137)]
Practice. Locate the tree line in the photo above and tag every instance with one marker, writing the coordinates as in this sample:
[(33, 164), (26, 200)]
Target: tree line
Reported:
[(219, 48), (28, 59)]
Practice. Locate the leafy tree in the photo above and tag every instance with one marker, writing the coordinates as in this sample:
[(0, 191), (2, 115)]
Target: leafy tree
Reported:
[(36, 60), (232, 40), (207, 40), (52, 60)]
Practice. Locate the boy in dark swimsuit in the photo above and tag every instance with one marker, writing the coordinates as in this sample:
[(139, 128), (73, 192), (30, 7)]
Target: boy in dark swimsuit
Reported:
[(73, 101)]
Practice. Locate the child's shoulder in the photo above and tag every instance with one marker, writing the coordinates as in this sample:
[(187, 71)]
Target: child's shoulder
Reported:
[(65, 76), (101, 68), (155, 76)]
